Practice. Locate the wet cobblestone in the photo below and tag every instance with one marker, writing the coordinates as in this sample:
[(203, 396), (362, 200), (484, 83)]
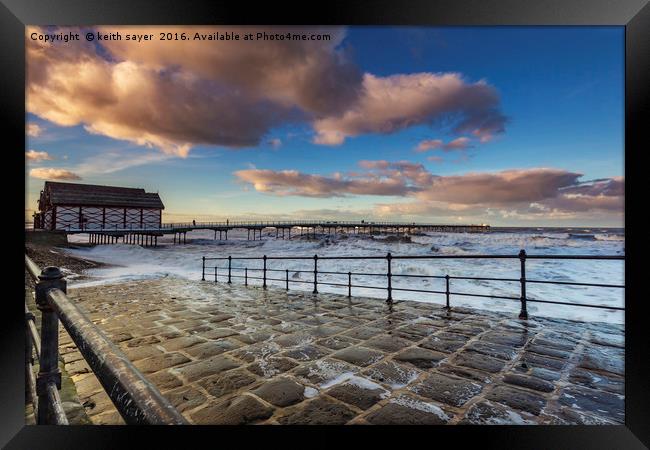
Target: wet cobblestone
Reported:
[(243, 355)]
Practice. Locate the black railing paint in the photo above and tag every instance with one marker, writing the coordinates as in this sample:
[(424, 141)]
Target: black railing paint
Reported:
[(522, 256), (137, 400)]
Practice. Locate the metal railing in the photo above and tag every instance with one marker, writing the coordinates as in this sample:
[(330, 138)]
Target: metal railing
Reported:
[(389, 275), (137, 400), (319, 223)]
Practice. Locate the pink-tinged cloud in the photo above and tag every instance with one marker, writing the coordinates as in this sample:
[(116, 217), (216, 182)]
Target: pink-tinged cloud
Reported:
[(389, 104), (173, 95), (460, 143), (177, 94), (33, 129), (430, 144), (508, 186), (45, 173), (292, 182), (36, 156), (523, 192)]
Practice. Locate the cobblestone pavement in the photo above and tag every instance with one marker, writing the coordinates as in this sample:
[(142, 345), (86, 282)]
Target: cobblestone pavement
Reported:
[(237, 355)]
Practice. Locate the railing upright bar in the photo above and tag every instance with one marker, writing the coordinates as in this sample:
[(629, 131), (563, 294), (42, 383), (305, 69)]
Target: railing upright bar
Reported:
[(48, 373), (30, 380), (216, 278), (389, 287), (315, 274), (229, 269), (447, 291), (203, 267), (287, 278), (523, 314), (33, 332), (264, 275), (58, 416), (349, 284), (245, 276)]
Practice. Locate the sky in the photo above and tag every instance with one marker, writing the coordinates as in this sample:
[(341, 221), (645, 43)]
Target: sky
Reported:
[(509, 126)]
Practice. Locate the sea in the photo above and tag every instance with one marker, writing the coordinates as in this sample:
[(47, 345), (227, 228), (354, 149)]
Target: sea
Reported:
[(129, 262)]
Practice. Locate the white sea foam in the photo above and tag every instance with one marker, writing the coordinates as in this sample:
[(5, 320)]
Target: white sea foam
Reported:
[(310, 392), (133, 263), (421, 406)]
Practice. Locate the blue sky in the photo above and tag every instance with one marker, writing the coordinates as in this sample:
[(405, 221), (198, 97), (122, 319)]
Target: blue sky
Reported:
[(559, 91)]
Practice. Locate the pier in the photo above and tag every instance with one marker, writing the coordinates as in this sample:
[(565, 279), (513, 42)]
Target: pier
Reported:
[(148, 236)]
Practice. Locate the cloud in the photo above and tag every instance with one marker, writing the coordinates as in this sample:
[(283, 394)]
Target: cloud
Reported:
[(431, 144), (508, 186), (45, 173), (460, 143), (389, 104), (35, 156), (115, 161), (33, 130), (292, 182), (535, 192), (176, 94)]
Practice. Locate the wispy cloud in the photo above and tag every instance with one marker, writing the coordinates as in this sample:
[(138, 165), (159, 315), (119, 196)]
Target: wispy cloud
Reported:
[(115, 161), (104, 163), (33, 129), (460, 143), (36, 156), (45, 173)]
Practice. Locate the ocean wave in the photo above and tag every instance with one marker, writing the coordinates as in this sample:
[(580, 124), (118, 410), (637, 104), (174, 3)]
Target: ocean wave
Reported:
[(134, 262)]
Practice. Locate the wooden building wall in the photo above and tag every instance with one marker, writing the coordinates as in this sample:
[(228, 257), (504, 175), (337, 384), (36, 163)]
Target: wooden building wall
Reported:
[(95, 218)]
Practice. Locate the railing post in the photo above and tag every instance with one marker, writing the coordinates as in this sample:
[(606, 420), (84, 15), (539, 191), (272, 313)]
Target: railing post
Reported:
[(447, 290), (215, 274), (287, 278), (264, 273), (349, 284), (229, 268), (389, 300), (245, 276), (315, 274), (523, 314), (203, 267), (29, 357), (48, 373)]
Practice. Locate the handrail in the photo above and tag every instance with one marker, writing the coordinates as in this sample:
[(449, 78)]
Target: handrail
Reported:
[(522, 256), (137, 400)]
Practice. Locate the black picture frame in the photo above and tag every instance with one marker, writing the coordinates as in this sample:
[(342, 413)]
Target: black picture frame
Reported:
[(634, 15)]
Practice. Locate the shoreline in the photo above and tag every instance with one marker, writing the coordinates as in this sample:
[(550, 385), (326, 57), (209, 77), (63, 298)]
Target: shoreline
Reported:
[(74, 267)]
